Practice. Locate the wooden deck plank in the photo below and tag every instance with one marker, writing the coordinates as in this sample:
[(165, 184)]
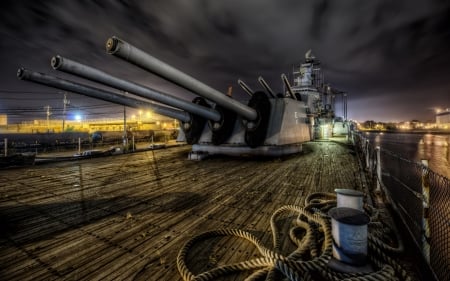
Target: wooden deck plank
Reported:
[(128, 218)]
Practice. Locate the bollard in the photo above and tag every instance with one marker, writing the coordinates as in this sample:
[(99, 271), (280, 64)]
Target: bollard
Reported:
[(349, 198), (349, 232)]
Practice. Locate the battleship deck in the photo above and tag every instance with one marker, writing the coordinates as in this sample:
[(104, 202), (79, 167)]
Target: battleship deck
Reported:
[(126, 217)]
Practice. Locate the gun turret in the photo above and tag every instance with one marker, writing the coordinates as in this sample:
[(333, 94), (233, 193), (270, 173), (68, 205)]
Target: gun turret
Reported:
[(268, 124), (256, 114)]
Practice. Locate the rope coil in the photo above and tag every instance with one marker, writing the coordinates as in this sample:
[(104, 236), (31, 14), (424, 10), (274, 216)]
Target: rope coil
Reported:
[(313, 250)]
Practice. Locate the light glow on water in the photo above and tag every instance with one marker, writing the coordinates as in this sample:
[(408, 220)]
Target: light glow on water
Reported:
[(432, 147)]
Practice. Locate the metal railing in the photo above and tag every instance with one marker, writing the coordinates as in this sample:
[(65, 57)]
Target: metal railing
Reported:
[(420, 196)]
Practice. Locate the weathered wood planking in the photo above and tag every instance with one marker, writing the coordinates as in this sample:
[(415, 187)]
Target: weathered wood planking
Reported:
[(126, 217)]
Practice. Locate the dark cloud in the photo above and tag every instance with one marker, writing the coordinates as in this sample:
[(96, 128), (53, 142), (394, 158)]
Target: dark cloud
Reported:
[(383, 53)]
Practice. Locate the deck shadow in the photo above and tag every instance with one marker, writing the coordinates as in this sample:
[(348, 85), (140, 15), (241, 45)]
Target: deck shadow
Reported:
[(35, 222)]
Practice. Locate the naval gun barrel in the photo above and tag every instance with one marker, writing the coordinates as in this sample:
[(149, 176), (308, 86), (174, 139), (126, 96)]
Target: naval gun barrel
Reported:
[(266, 86), (67, 85), (288, 86), (245, 87), (76, 68), (130, 53)]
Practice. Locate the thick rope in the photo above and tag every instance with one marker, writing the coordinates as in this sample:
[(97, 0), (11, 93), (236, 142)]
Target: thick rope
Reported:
[(313, 252)]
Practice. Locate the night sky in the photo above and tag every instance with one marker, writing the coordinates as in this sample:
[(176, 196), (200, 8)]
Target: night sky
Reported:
[(392, 57)]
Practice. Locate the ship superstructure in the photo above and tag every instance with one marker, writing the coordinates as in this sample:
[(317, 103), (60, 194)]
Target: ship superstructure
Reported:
[(309, 85)]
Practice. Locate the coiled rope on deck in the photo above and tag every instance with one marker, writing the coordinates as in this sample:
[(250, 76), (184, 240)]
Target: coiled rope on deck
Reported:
[(313, 250)]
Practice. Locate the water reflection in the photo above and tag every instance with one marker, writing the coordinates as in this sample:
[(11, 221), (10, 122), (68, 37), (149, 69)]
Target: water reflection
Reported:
[(434, 148)]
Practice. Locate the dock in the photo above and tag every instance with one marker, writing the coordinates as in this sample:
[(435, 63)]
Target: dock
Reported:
[(126, 217)]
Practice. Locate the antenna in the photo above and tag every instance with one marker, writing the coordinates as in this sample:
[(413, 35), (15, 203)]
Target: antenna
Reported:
[(309, 56)]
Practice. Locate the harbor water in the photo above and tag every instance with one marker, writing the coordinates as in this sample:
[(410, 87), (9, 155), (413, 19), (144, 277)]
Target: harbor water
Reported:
[(432, 147)]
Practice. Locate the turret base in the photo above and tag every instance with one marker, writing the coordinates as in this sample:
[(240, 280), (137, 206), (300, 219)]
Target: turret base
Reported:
[(271, 151)]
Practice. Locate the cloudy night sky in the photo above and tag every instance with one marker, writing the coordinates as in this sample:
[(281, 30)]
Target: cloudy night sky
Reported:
[(392, 57)]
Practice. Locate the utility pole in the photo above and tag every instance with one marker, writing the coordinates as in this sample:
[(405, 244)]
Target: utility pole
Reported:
[(48, 116), (125, 137), (66, 102), (344, 102)]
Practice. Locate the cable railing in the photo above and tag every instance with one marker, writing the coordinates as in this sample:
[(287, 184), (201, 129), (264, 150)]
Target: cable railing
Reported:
[(420, 196)]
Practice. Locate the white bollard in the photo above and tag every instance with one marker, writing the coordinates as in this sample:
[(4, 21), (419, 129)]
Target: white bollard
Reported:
[(349, 231), (349, 198)]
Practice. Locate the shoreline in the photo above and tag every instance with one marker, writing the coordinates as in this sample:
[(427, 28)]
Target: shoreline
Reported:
[(424, 132)]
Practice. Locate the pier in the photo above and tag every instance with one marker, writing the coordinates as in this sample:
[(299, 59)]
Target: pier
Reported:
[(126, 217)]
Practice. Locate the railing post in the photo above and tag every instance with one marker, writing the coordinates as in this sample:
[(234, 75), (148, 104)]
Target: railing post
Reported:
[(426, 205), (362, 143), (378, 150), (347, 135), (6, 147), (367, 154)]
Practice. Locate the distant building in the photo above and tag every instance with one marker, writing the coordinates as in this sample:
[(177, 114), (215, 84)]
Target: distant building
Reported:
[(91, 125), (3, 119), (443, 117)]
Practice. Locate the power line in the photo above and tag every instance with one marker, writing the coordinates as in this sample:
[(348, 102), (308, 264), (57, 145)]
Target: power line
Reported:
[(26, 92)]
